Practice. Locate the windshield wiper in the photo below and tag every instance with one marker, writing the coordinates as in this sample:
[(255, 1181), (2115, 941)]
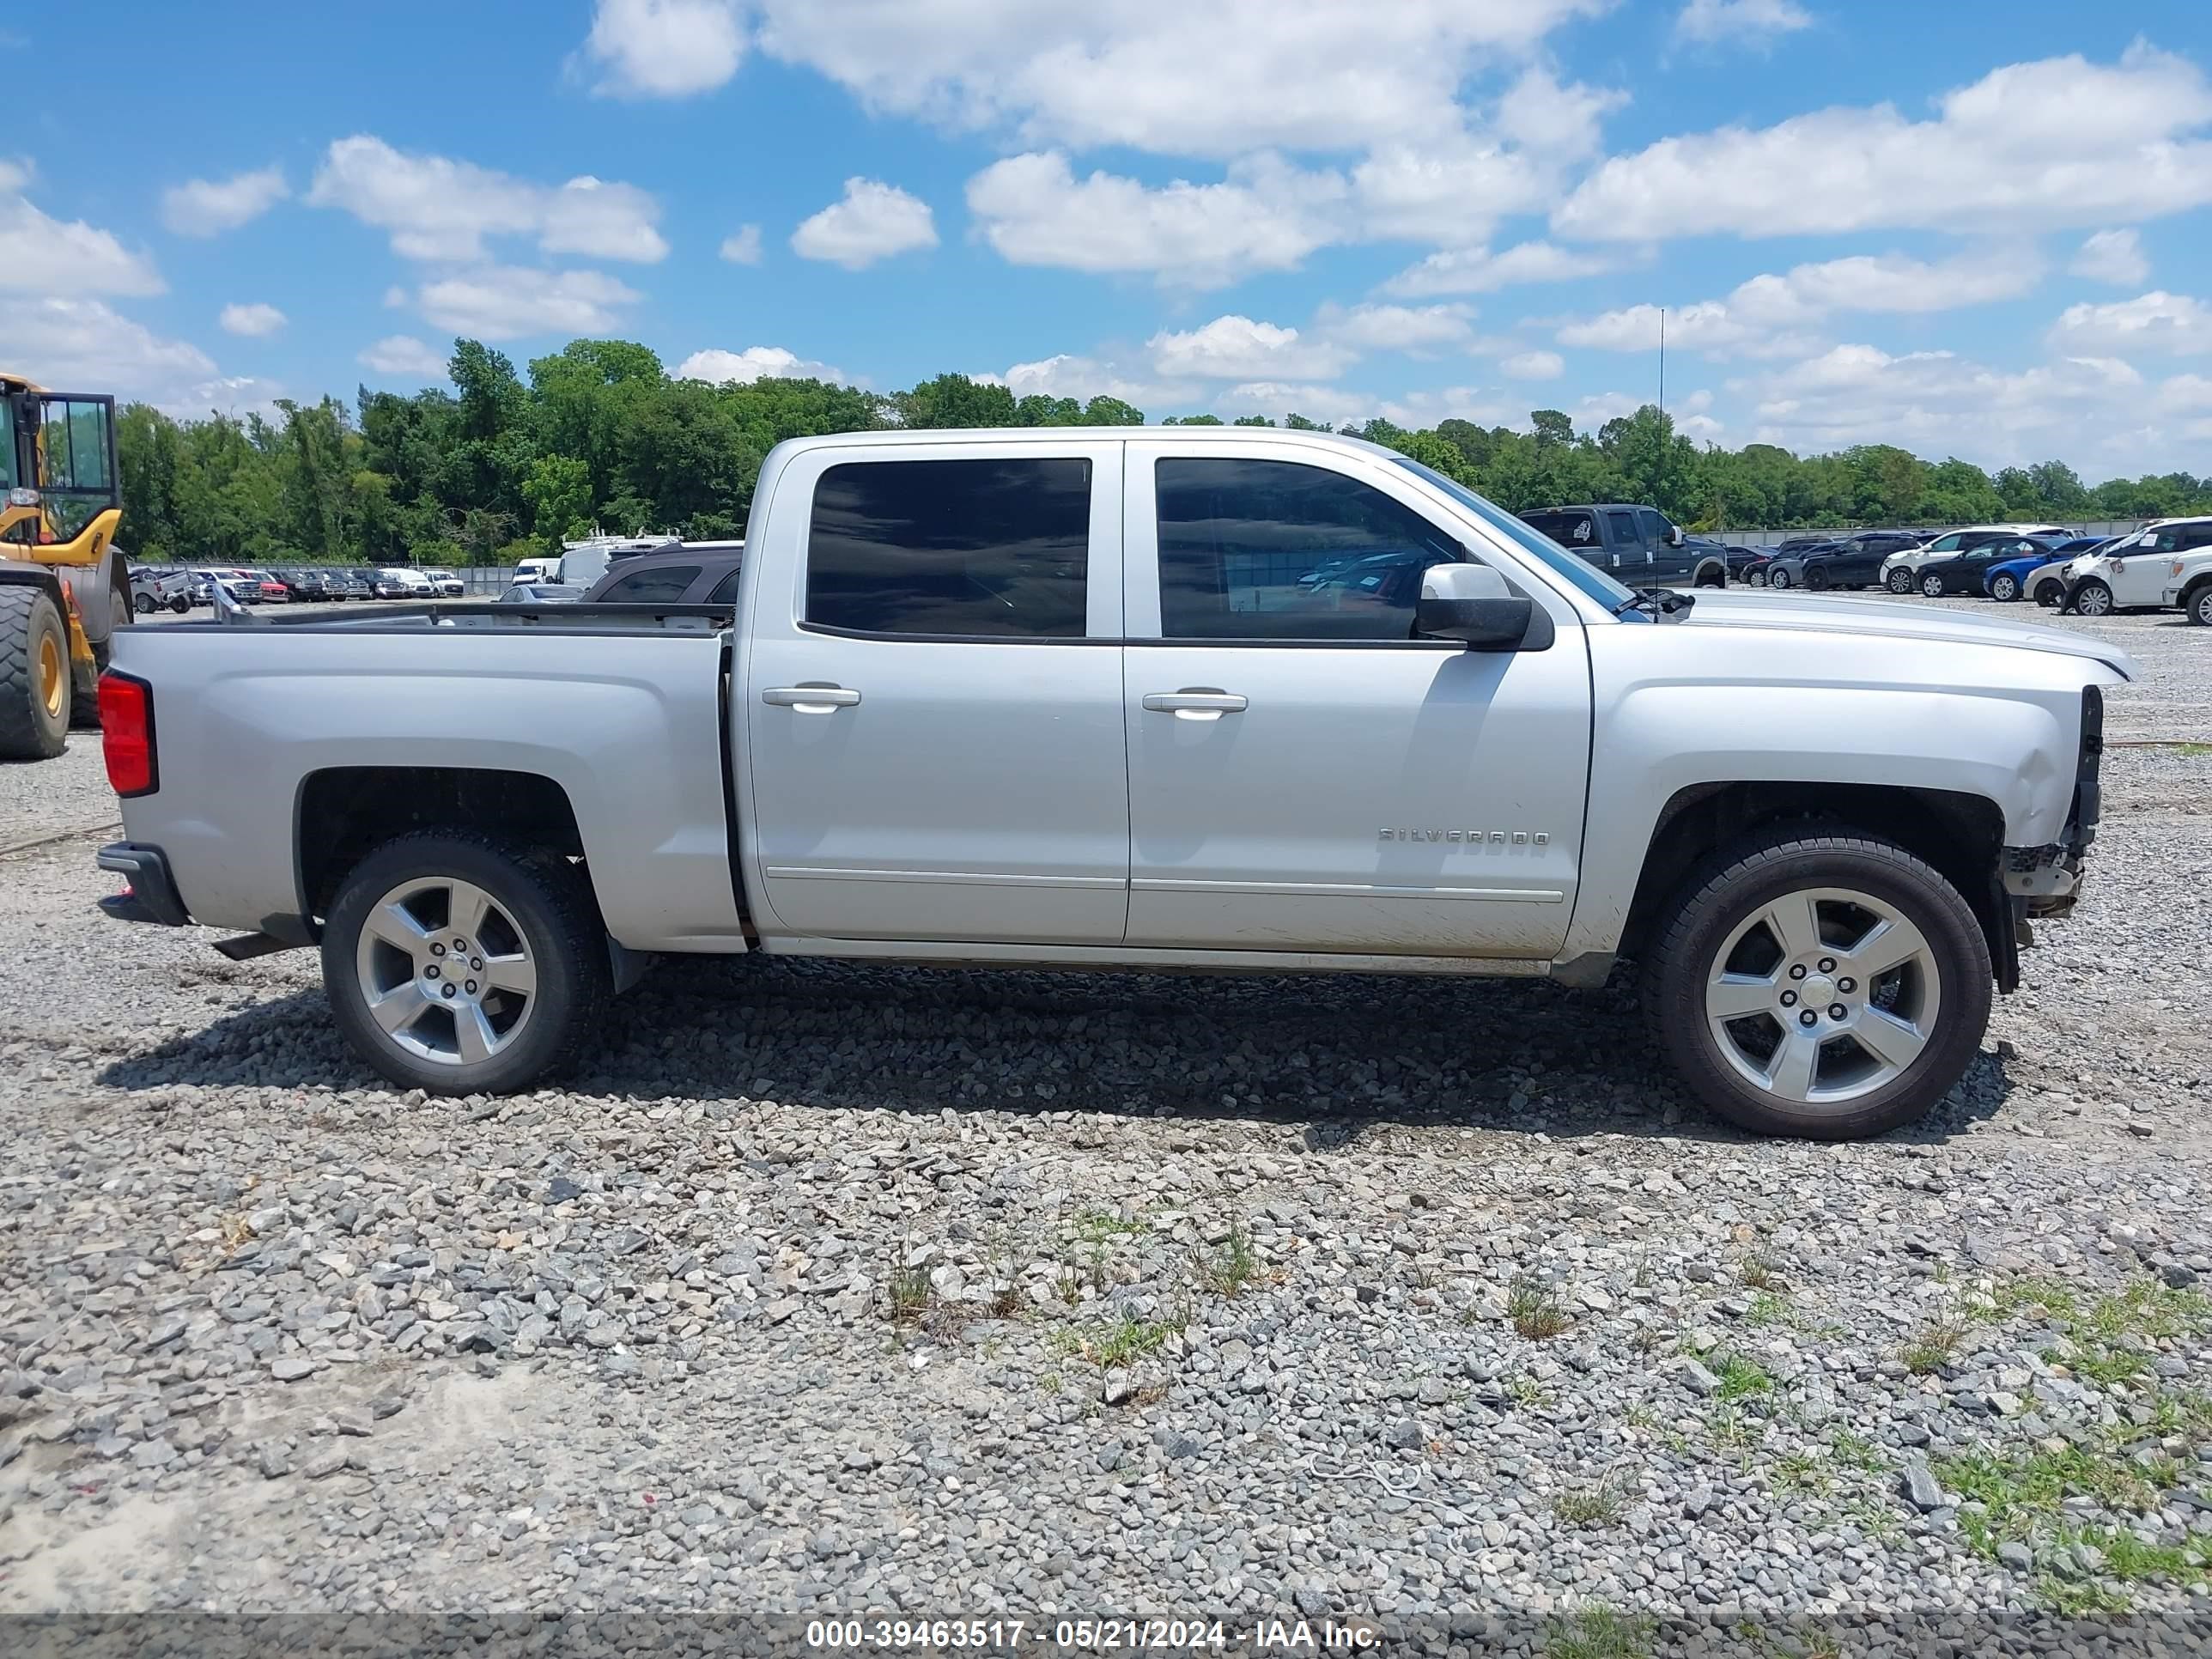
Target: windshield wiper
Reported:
[(1658, 601)]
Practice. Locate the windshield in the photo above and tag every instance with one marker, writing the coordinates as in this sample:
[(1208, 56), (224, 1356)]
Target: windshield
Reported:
[(1591, 582)]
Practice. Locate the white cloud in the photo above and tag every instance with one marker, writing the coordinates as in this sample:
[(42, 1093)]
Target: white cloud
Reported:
[(1419, 331), (742, 246), (665, 48), (2157, 323), (403, 357), (500, 302), (437, 209), (2031, 146), (1769, 315), (1755, 20), (873, 220), (1235, 347), (2114, 256), (1533, 365), (42, 255), (254, 320), (205, 207), (1217, 79), (85, 342), (1072, 375), (1477, 270), (1266, 215), (719, 367)]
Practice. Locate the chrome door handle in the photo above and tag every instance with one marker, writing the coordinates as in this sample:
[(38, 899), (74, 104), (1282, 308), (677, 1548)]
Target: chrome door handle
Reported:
[(1195, 705), (810, 699)]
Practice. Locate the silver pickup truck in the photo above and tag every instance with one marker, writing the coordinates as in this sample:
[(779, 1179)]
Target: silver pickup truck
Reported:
[(1213, 699)]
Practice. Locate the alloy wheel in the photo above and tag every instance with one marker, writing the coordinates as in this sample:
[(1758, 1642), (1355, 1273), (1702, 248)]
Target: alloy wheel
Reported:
[(1823, 996), (445, 971)]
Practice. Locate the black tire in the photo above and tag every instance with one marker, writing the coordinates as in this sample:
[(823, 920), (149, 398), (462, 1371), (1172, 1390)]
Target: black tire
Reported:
[(1932, 586), (551, 907), (1900, 580), (2197, 604), (2050, 594), (2004, 588), (1816, 579), (1742, 880), (1712, 576), (84, 710), (143, 603), (2091, 598), (29, 729), (181, 605), (1779, 577)]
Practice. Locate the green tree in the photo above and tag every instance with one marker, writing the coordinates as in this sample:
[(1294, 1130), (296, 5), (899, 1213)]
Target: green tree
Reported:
[(559, 491)]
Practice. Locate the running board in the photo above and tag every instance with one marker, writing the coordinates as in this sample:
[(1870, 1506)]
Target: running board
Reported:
[(1150, 958)]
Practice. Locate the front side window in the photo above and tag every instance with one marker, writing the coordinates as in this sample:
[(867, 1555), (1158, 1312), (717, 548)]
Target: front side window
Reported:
[(663, 586), (1624, 528), (996, 548), (1590, 582), (1257, 550)]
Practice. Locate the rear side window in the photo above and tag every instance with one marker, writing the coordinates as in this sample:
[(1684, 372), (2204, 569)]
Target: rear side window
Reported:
[(663, 586), (1253, 550), (987, 548), (726, 591), (1577, 531)]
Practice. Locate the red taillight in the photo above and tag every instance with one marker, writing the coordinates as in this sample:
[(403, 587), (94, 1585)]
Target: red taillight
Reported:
[(126, 734)]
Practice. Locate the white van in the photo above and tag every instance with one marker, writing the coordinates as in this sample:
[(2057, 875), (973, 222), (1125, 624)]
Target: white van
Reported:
[(530, 572)]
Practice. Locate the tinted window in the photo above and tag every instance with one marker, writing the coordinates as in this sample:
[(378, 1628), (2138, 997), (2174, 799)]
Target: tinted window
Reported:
[(1624, 528), (724, 592), (998, 547), (1654, 527), (2193, 536), (663, 586), (1577, 531), (1278, 551)]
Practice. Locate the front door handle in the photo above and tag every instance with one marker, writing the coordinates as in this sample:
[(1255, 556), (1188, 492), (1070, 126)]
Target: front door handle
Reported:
[(1194, 704), (811, 699)]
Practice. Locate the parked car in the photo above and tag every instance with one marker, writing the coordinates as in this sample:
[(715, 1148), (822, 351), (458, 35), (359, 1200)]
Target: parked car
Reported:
[(159, 587), (242, 586), (402, 582), (449, 585), (539, 593), (272, 591), (1073, 728), (1740, 560), (307, 584), (1966, 572), (2167, 564), (1900, 570), (1854, 560), (1639, 546), (536, 570), (687, 575), (2041, 575)]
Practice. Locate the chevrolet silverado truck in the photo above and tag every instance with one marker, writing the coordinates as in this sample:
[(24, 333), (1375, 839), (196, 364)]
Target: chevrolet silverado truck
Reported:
[(1155, 699), (1640, 546)]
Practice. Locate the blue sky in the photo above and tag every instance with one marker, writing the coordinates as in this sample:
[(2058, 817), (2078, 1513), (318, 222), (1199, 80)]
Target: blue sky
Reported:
[(1975, 228)]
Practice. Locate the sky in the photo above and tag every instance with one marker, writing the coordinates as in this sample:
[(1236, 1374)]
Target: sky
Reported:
[(1972, 228)]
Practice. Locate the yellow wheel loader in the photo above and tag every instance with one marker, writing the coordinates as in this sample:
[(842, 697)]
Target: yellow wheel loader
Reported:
[(65, 588)]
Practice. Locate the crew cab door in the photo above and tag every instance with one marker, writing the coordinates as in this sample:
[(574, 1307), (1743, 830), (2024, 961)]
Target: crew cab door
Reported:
[(1303, 773), (931, 694), (1633, 559)]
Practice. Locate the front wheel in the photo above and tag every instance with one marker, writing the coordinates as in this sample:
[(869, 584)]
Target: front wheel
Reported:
[(1779, 577), (1832, 986), (2005, 589), (1932, 586), (181, 605), (461, 965), (2051, 595), (1900, 580), (2198, 606), (1816, 579), (2092, 598)]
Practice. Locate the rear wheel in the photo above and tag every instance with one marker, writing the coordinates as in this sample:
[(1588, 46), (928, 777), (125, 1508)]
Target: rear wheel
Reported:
[(35, 694), (2092, 598), (2050, 594), (2005, 587), (1900, 580), (1932, 586), (143, 604), (459, 964), (1825, 985), (180, 604), (1816, 579)]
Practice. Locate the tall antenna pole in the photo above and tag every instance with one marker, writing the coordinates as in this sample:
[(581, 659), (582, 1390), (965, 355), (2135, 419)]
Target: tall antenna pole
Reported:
[(1659, 476)]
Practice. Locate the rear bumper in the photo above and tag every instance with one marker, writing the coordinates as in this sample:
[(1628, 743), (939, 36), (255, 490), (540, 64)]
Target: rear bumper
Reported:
[(152, 895)]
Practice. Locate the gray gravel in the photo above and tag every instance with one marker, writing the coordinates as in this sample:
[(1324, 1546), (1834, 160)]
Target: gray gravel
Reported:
[(831, 1287)]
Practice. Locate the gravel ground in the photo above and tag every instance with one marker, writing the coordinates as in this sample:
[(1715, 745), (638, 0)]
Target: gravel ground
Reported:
[(829, 1288)]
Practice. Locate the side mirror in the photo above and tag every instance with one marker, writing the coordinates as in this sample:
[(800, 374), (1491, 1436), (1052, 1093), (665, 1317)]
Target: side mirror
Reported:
[(1470, 602), (1674, 535)]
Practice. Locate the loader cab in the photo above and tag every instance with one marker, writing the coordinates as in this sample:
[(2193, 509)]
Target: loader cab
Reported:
[(59, 473)]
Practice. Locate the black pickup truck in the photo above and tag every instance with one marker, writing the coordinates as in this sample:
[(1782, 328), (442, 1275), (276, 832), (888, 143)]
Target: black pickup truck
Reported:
[(1640, 545)]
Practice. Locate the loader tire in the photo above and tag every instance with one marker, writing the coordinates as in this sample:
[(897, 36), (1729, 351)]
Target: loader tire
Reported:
[(35, 690)]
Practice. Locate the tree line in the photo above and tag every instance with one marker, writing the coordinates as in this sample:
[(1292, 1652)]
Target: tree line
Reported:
[(506, 465)]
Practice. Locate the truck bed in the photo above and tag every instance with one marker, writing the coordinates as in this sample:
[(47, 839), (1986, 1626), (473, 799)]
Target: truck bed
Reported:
[(409, 709)]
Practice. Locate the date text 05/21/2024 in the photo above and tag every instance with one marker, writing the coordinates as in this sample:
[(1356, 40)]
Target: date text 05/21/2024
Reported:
[(1218, 1638)]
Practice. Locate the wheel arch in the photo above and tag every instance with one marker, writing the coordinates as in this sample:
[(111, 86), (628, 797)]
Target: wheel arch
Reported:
[(2193, 591), (1959, 833)]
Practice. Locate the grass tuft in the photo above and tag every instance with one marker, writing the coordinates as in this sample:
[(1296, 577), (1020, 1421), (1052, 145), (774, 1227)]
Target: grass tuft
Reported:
[(1537, 1313), (1599, 1631)]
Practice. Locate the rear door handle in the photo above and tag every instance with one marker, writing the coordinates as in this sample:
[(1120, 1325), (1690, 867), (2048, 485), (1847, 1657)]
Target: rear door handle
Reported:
[(811, 699), (1195, 705)]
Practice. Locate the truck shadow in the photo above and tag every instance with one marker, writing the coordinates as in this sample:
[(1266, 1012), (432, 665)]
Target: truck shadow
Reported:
[(1329, 1056)]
